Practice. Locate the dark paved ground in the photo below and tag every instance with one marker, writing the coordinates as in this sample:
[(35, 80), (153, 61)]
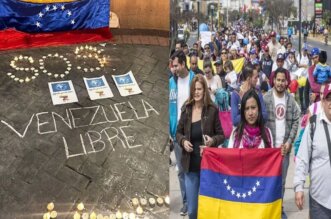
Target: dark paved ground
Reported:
[(35, 169)]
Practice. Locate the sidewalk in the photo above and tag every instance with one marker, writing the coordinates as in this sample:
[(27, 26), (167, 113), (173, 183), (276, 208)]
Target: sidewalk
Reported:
[(289, 204)]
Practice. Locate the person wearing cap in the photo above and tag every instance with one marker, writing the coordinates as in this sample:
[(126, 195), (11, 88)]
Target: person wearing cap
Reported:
[(280, 63), (313, 158), (283, 118), (266, 62), (313, 85), (233, 53), (273, 46)]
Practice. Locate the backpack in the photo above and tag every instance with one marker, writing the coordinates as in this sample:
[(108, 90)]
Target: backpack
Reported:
[(312, 122)]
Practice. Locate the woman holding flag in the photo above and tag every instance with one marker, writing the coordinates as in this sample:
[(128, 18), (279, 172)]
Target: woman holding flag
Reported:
[(198, 127)]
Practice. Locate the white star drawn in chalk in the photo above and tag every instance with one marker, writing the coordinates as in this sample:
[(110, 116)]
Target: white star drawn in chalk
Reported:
[(47, 8), (233, 192), (225, 181), (72, 21), (238, 195), (254, 189), (69, 13), (62, 7), (257, 183), (54, 7), (38, 24), (40, 15)]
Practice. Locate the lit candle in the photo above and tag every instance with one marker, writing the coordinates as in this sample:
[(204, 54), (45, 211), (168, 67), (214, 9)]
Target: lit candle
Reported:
[(16, 79), (86, 47), (20, 57), (9, 73), (27, 79), (118, 215), (26, 69), (167, 200), (81, 48), (91, 69), (97, 68), (66, 72), (21, 80), (15, 58), (78, 56), (151, 202), (80, 206), (159, 201), (25, 57), (143, 202), (56, 55), (85, 69), (49, 74), (93, 215), (53, 214), (140, 210), (45, 71), (21, 69), (76, 52), (76, 215), (125, 215), (41, 67), (47, 215), (78, 67), (132, 216), (12, 76), (56, 75), (33, 77), (90, 55), (100, 216)]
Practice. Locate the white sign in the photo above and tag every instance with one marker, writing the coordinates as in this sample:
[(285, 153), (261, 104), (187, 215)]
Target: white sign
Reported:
[(126, 84), (62, 92), (98, 88), (205, 37)]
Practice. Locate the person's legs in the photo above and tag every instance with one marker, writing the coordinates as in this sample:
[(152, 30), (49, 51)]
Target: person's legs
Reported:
[(192, 185), (285, 164), (317, 211), (181, 176)]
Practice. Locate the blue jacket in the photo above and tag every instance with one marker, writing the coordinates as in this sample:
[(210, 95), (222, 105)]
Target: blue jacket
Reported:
[(173, 95), (322, 73)]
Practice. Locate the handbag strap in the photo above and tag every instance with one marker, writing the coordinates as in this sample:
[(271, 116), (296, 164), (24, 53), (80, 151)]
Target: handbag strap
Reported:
[(327, 138)]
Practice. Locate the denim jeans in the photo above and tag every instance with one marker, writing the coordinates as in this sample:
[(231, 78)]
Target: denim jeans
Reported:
[(181, 175), (192, 184)]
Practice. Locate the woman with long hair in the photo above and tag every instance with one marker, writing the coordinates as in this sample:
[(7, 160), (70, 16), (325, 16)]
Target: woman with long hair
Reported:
[(198, 126), (213, 81), (251, 131)]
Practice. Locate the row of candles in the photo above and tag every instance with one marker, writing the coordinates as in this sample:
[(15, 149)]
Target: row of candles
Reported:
[(139, 205), (81, 52)]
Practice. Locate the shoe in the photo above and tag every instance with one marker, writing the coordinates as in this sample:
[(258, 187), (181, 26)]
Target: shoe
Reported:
[(183, 211)]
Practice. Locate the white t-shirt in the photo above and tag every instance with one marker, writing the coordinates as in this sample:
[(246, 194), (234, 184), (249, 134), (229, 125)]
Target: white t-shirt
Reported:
[(280, 116), (214, 84), (183, 93), (232, 76)]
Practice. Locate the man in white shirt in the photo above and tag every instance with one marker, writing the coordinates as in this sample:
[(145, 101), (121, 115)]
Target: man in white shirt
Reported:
[(314, 157), (283, 120), (179, 89), (274, 46)]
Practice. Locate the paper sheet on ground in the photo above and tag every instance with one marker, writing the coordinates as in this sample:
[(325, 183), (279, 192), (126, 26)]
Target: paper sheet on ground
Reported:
[(126, 84), (98, 88), (62, 92)]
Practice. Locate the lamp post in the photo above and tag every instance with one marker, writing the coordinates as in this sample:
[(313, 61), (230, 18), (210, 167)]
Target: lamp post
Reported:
[(198, 2), (227, 13), (212, 17), (300, 23)]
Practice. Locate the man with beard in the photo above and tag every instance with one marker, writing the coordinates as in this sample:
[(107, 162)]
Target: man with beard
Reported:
[(283, 121)]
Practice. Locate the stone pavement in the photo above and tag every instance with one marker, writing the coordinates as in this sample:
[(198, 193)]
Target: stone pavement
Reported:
[(289, 204), (102, 152)]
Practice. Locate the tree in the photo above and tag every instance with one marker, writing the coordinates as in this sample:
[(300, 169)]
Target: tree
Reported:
[(278, 10)]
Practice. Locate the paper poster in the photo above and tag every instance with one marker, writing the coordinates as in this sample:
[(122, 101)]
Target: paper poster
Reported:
[(205, 37), (126, 84), (98, 88), (62, 92)]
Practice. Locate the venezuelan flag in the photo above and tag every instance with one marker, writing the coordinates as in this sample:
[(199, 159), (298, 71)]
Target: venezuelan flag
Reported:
[(240, 183)]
